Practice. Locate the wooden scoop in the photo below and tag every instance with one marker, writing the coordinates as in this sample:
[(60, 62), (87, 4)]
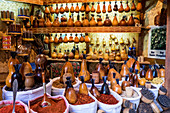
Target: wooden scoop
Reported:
[(44, 102)]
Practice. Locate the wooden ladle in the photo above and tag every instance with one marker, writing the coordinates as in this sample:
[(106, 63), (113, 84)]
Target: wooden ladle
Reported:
[(44, 102)]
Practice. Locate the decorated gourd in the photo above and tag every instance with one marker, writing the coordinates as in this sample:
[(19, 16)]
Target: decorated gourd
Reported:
[(83, 71)]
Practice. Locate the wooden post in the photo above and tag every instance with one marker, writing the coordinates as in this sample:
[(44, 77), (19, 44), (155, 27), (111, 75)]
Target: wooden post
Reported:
[(167, 61)]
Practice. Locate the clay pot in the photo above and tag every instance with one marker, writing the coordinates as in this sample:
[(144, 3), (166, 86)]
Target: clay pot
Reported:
[(29, 81)]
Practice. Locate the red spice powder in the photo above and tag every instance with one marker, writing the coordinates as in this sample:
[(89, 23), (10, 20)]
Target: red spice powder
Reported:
[(107, 99), (57, 106), (83, 99), (8, 109)]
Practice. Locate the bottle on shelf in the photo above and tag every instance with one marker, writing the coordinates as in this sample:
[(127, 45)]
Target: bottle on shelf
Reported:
[(47, 10), (87, 40), (51, 38), (123, 22), (76, 40), (71, 38), (52, 10), (82, 38), (47, 23), (92, 22), (60, 55), (139, 6), (87, 8), (77, 9), (54, 55), (46, 40), (98, 8), (55, 39), (56, 22), (115, 21), (71, 54), (65, 39), (107, 21), (133, 8), (104, 8), (82, 9), (131, 21), (85, 22), (109, 7), (127, 9), (99, 21), (121, 9), (92, 8), (60, 39), (61, 9), (78, 23), (72, 8), (115, 6), (66, 8), (76, 54), (70, 22), (57, 10)]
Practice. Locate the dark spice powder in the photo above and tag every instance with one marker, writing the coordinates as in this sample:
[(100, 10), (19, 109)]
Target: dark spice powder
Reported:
[(107, 99), (83, 99), (57, 106)]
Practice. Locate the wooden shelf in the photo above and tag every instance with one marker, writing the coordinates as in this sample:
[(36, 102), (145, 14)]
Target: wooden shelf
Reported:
[(22, 54), (92, 61), (7, 20), (28, 39), (14, 33), (6, 49), (48, 2), (23, 17), (37, 2), (119, 29)]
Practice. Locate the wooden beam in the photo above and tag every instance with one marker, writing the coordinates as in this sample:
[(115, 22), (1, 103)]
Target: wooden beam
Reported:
[(167, 61)]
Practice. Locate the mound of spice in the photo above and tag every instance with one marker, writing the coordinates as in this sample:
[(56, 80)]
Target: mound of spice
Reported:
[(57, 106), (8, 109), (83, 99), (107, 99)]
